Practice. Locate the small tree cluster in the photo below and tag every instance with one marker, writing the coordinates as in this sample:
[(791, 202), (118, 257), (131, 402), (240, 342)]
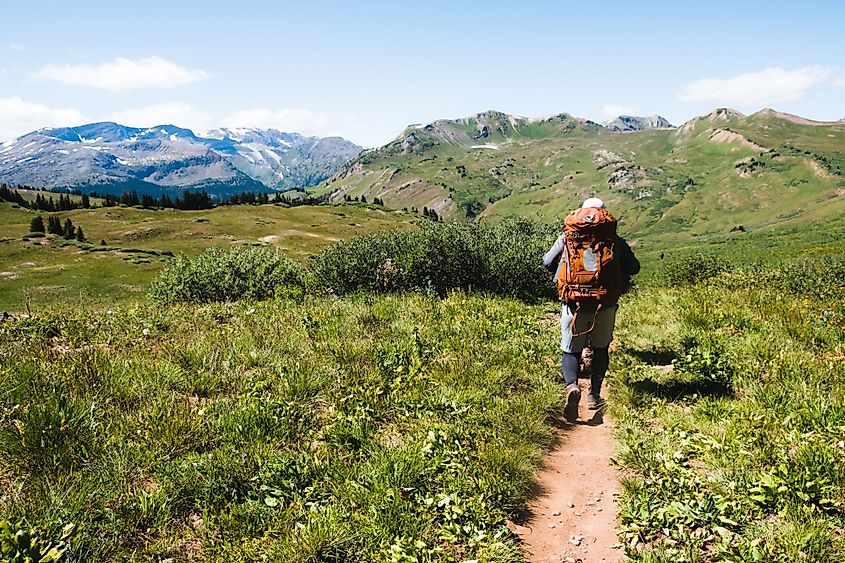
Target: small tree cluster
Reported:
[(43, 203), (55, 226), (189, 200), (36, 225), (361, 199), (431, 214), (248, 198)]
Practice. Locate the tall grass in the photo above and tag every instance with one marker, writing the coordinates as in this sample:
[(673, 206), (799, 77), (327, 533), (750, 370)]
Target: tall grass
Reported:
[(391, 428), (735, 446)]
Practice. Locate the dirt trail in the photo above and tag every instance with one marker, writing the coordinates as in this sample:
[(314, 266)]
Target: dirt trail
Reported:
[(573, 517)]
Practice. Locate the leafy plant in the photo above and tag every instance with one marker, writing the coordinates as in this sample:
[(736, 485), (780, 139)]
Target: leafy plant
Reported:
[(20, 543)]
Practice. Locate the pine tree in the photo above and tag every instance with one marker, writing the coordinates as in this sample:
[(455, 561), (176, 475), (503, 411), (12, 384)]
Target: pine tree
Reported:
[(69, 231), (86, 201), (54, 225), (80, 236), (36, 225)]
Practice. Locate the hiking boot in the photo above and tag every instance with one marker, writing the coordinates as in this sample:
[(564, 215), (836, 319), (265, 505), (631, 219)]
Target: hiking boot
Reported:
[(594, 402), (573, 397)]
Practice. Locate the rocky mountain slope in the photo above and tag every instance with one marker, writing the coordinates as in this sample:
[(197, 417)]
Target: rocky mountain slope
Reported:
[(716, 171), (635, 123), (109, 158)]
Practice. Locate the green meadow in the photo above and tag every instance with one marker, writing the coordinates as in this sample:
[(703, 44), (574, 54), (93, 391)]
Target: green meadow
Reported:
[(45, 271), (390, 399)]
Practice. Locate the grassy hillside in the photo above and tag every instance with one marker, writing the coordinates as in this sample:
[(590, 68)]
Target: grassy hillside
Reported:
[(48, 273), (713, 173)]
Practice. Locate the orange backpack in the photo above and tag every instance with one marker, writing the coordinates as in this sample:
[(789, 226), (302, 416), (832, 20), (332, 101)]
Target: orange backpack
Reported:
[(590, 274)]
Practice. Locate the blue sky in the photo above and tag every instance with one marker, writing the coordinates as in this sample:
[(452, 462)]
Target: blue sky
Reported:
[(366, 69)]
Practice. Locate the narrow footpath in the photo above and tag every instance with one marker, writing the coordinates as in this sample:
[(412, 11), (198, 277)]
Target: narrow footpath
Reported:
[(572, 518)]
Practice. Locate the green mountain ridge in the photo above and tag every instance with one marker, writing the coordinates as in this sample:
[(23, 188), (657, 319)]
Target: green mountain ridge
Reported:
[(714, 172)]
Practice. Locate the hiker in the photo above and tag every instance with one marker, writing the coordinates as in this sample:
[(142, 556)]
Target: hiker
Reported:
[(593, 267)]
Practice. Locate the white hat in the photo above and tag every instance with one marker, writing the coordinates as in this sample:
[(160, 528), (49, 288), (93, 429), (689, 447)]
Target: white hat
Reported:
[(593, 202)]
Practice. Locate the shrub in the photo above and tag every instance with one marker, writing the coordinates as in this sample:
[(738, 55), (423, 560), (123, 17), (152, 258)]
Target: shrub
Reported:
[(693, 269), (818, 277), (504, 259), (219, 274)]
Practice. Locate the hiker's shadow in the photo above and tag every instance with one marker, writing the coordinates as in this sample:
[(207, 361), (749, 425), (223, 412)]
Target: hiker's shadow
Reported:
[(596, 420), (562, 424)]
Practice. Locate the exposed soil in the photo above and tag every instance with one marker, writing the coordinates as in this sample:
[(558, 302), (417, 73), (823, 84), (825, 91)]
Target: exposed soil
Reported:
[(573, 516)]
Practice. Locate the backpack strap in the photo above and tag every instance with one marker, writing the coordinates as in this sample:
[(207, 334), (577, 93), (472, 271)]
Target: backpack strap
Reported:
[(575, 316)]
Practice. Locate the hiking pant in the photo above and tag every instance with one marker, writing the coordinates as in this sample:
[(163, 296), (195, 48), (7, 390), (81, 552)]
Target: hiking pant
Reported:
[(572, 341)]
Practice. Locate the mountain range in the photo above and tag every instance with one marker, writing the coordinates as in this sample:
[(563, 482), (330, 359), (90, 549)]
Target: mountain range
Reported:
[(719, 170), (110, 158)]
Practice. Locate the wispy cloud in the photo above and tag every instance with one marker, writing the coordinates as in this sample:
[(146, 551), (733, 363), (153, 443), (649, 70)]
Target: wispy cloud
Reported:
[(122, 75), (18, 116), (15, 47), (173, 113), (769, 86), (609, 111), (299, 120)]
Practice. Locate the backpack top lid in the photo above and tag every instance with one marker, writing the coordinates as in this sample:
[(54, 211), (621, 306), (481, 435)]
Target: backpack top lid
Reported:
[(590, 221)]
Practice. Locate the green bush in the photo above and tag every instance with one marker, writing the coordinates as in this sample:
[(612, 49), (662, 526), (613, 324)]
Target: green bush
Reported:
[(693, 269), (818, 277), (504, 259), (219, 274)]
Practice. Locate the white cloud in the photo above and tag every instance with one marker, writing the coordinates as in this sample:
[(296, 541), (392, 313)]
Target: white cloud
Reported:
[(18, 116), (610, 111), (121, 74), (167, 113), (769, 86), (290, 120), (15, 47)]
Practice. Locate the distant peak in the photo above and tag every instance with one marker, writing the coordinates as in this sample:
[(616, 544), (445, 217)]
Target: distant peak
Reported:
[(629, 123), (769, 112), (724, 113)]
